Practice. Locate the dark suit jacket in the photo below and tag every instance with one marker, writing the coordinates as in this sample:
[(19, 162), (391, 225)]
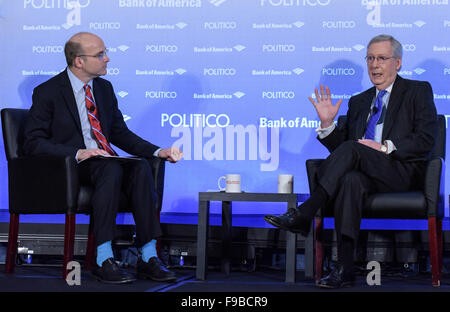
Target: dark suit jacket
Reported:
[(53, 126), (410, 122)]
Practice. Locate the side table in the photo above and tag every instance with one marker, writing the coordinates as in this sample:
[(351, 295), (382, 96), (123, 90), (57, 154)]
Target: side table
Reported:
[(205, 198)]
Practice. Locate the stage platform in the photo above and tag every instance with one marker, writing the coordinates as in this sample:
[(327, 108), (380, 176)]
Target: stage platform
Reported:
[(40, 278)]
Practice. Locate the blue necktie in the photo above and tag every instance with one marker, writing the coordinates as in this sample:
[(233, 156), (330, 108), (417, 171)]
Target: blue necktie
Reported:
[(375, 116)]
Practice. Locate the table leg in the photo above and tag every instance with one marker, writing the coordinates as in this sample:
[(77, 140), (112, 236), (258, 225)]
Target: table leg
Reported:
[(291, 261), (291, 252), (226, 236), (202, 240), (309, 253)]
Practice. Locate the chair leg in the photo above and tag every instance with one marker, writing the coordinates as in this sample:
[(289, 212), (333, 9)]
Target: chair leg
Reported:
[(435, 249), (90, 247), (69, 242), (318, 227), (440, 246), (11, 251)]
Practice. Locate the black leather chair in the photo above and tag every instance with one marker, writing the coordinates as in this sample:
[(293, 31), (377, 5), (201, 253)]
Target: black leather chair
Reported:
[(50, 185), (427, 203)]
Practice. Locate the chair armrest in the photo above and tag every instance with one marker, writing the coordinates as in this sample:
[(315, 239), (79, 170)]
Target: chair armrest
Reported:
[(312, 166), (158, 166), (434, 187), (43, 184)]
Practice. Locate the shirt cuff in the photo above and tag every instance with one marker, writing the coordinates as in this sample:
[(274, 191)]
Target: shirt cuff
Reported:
[(324, 132), (156, 152), (390, 146), (76, 156)]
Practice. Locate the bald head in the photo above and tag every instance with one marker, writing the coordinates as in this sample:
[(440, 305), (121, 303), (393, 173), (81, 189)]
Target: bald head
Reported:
[(78, 44)]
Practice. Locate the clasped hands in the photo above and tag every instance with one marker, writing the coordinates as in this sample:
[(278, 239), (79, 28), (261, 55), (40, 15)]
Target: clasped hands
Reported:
[(327, 112), (172, 154)]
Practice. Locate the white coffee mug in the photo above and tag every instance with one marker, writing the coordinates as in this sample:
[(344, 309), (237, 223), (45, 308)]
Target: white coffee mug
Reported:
[(285, 183), (232, 183)]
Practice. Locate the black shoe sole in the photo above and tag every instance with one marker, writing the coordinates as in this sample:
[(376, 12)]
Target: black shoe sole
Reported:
[(282, 227), (144, 276), (343, 285), (98, 278)]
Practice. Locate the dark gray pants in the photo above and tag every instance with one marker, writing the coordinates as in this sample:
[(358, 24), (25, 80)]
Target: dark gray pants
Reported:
[(134, 179)]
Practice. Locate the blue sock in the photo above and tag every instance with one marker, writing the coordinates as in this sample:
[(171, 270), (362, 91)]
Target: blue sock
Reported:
[(149, 250), (104, 251)]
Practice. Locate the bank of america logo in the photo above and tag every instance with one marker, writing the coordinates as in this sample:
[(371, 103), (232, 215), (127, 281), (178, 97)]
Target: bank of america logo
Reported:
[(217, 2), (298, 24), (122, 94), (358, 47), (239, 47), (123, 47), (239, 94), (180, 71), (419, 23), (126, 117), (181, 25), (298, 71), (419, 71)]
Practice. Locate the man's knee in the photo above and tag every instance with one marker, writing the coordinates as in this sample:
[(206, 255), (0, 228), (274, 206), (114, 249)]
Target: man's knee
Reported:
[(142, 167), (112, 170), (354, 178), (349, 146)]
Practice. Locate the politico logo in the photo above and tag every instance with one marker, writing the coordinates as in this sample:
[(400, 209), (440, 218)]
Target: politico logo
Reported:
[(278, 48), (52, 4), (47, 49), (219, 71), (275, 95), (338, 71), (291, 3), (195, 120), (161, 94), (161, 48), (104, 25), (338, 24), (222, 25)]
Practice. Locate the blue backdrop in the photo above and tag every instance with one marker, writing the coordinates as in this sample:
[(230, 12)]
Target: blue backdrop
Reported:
[(226, 80)]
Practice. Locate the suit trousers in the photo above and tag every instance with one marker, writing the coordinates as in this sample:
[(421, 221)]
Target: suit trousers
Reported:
[(109, 179), (352, 172)]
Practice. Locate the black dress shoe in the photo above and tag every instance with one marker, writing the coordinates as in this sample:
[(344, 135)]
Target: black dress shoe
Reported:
[(155, 270), (293, 220), (111, 273), (338, 278)]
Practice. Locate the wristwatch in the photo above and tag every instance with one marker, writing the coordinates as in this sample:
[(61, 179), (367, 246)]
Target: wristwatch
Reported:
[(384, 148)]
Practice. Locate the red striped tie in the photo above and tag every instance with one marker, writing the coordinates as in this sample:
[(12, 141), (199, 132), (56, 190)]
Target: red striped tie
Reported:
[(102, 142)]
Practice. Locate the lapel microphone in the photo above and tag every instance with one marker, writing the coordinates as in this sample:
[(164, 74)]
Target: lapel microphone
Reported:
[(92, 108), (374, 110)]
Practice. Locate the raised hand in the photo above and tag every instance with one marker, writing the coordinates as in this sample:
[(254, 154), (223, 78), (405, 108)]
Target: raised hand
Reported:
[(324, 107)]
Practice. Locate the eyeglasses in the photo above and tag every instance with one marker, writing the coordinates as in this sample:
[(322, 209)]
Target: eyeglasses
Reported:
[(380, 59), (100, 55)]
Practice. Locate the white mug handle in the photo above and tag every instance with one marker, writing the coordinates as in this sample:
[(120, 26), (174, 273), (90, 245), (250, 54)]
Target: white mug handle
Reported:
[(218, 183)]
